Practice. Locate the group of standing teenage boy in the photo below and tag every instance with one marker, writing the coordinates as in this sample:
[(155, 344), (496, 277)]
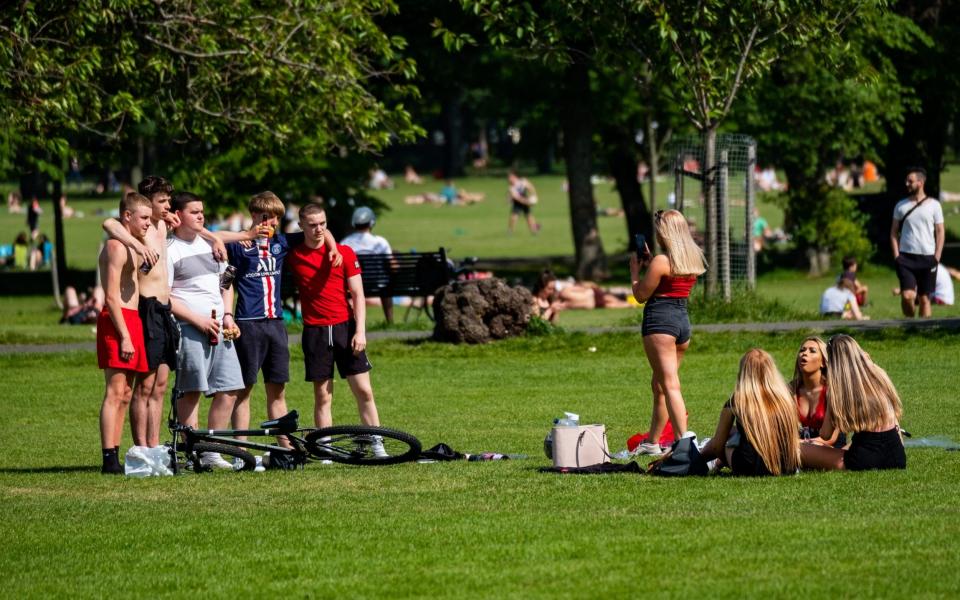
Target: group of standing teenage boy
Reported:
[(169, 307)]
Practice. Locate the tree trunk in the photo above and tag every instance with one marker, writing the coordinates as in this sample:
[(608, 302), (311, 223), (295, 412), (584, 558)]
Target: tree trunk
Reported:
[(453, 134), (708, 169), (591, 261), (60, 253), (653, 166), (623, 167)]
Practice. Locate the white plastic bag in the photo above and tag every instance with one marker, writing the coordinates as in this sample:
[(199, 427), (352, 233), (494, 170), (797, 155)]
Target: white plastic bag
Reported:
[(142, 461)]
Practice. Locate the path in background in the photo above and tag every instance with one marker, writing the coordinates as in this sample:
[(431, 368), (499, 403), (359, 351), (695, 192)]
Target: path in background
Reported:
[(816, 326)]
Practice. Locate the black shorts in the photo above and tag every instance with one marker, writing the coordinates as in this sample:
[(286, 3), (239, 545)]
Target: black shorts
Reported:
[(263, 345), (161, 334), (746, 462), (917, 272), (325, 345), (667, 315), (875, 450), (519, 208)]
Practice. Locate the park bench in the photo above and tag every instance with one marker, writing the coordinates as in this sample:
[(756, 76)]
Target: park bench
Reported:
[(415, 274)]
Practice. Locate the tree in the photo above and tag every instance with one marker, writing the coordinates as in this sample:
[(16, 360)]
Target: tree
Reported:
[(570, 38), (807, 116), (932, 72), (713, 48), (258, 75)]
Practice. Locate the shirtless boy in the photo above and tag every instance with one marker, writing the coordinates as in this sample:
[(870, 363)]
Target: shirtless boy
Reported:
[(160, 332), (120, 348)]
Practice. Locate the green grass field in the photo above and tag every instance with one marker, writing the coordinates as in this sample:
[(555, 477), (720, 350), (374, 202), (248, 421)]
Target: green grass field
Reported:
[(490, 530)]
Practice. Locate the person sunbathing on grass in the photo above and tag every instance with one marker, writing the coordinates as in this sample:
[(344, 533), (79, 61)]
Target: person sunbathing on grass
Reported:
[(863, 401), (551, 296), (757, 430)]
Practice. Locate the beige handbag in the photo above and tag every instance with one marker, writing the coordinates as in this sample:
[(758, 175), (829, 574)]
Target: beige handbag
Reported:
[(580, 446)]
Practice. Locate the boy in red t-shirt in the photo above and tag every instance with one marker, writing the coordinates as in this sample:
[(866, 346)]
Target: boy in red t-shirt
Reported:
[(330, 335)]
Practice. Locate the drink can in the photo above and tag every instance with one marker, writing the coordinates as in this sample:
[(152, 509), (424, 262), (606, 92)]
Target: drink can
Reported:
[(227, 277)]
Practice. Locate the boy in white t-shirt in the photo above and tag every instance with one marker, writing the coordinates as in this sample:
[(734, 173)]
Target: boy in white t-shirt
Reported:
[(840, 301), (207, 361)]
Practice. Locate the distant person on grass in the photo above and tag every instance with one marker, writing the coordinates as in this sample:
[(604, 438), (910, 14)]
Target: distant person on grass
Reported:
[(82, 310), (262, 344), (207, 363), (864, 402), (666, 327), (120, 350), (757, 431), (332, 332), (840, 302), (522, 196), (917, 237), (363, 241), (850, 269)]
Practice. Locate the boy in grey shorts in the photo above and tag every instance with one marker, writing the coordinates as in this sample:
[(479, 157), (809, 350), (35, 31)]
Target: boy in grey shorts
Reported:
[(207, 362)]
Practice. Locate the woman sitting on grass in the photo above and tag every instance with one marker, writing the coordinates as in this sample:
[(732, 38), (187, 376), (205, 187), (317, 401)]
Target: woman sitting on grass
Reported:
[(809, 387), (862, 401), (757, 430)]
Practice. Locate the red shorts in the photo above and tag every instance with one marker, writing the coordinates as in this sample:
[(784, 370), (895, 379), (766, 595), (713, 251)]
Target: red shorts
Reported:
[(108, 342)]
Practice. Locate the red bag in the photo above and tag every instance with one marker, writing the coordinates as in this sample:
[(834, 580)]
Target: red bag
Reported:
[(666, 438)]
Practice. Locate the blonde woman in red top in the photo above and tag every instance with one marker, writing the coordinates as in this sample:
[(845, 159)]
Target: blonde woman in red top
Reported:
[(665, 288), (809, 386)]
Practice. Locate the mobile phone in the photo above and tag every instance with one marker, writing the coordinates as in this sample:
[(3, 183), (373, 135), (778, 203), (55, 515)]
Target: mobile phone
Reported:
[(641, 242)]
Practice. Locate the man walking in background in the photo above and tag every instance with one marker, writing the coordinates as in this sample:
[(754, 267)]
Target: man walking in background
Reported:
[(916, 237)]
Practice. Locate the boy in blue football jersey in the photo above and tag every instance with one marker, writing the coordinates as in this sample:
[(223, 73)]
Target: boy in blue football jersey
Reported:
[(262, 344)]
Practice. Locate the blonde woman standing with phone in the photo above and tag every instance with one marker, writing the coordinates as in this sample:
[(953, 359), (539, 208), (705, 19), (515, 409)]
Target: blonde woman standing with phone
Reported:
[(665, 288)]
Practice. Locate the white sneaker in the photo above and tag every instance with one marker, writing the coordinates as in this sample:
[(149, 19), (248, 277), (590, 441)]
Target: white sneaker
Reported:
[(214, 460), (649, 448), (687, 434), (260, 468), (377, 446)]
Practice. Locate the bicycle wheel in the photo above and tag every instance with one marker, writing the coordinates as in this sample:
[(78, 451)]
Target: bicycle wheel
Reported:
[(249, 462), (358, 445)]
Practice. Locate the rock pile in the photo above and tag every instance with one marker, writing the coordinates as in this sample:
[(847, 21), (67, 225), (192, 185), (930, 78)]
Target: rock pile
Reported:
[(478, 311)]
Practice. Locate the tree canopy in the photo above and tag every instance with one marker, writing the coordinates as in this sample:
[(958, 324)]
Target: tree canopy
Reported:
[(256, 74)]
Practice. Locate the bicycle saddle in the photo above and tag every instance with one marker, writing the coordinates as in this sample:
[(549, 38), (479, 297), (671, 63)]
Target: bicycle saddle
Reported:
[(288, 422)]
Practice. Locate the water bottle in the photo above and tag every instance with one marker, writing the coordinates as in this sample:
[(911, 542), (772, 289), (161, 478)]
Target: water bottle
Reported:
[(569, 420)]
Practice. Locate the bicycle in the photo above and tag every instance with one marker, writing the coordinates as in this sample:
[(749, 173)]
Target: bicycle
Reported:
[(349, 444)]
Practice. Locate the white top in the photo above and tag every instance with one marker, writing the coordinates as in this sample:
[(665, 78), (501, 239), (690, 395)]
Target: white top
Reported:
[(916, 237), (944, 290), (364, 242), (194, 275), (835, 300)]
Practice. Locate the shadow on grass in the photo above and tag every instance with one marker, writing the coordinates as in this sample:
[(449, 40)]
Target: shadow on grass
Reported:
[(72, 469)]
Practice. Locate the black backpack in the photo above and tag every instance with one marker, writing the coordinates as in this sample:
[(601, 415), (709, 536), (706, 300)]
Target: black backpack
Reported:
[(684, 459)]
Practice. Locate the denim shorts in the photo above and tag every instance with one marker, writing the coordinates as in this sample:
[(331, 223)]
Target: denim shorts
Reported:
[(667, 315)]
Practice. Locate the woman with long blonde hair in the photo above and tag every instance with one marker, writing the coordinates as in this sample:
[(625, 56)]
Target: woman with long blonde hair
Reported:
[(665, 288), (863, 401), (757, 430), (809, 387)]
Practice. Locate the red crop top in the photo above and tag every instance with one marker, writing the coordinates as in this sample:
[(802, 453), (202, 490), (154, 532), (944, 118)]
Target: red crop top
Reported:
[(675, 287), (814, 421)]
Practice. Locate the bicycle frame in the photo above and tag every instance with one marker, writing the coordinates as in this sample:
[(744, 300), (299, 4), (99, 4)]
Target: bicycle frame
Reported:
[(300, 446)]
